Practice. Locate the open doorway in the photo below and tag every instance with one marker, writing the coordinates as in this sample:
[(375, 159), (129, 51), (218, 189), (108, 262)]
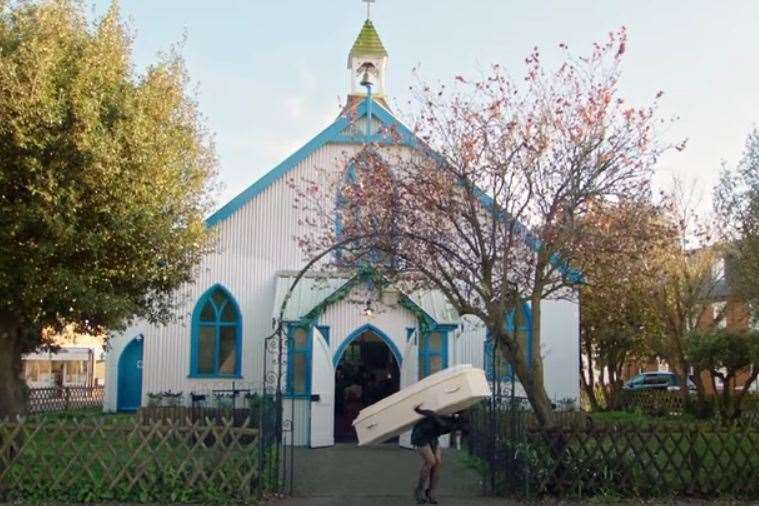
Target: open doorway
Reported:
[(367, 373)]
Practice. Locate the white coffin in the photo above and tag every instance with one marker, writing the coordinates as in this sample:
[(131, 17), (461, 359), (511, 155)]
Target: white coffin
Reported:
[(446, 392)]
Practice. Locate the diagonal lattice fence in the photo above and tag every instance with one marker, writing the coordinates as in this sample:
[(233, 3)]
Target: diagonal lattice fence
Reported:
[(50, 399), (127, 459), (584, 459)]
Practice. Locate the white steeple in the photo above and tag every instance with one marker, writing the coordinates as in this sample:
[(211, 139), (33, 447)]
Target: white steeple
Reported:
[(367, 58)]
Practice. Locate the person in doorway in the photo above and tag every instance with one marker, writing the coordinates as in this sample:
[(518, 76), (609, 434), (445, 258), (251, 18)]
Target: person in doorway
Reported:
[(353, 405), (425, 438)]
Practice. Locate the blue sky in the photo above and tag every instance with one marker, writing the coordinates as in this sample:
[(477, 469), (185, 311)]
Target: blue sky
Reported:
[(270, 74)]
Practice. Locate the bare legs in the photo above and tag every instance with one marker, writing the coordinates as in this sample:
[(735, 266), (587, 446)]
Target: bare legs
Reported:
[(429, 460), (435, 475), (430, 473)]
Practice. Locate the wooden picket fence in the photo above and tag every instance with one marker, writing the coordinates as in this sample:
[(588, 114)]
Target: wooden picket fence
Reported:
[(43, 400), (99, 459), (624, 460)]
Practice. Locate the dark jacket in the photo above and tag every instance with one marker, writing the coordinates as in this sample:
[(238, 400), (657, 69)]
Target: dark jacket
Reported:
[(432, 426)]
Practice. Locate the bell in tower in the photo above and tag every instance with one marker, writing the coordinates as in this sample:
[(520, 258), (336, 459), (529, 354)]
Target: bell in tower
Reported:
[(367, 62)]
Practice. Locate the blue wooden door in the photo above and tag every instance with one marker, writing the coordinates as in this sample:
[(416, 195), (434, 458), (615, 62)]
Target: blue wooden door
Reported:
[(129, 395)]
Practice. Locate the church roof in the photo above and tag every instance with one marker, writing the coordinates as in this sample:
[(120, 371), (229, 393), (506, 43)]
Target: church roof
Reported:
[(368, 42), (341, 132)]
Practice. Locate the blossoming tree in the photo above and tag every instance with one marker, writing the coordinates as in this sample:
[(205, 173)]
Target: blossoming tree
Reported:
[(483, 204)]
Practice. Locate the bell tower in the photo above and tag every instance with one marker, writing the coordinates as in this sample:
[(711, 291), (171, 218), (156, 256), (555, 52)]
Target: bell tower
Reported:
[(367, 61)]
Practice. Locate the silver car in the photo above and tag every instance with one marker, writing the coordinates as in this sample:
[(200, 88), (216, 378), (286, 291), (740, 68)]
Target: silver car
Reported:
[(657, 380)]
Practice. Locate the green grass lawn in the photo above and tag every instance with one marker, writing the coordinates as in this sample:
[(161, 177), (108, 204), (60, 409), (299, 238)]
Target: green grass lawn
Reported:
[(639, 418)]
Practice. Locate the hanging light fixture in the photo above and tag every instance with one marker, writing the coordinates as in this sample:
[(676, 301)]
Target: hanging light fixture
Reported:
[(368, 311)]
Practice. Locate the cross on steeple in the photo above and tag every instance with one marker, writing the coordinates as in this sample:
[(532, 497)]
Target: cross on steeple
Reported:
[(368, 7)]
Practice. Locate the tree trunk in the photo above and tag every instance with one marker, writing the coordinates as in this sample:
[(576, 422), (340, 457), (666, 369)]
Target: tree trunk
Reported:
[(746, 386), (588, 382), (531, 374), (615, 389), (589, 391), (12, 400), (531, 379), (726, 405), (604, 388), (702, 406)]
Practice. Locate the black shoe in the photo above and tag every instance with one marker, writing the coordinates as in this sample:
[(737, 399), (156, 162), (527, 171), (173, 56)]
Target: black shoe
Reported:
[(430, 499), (419, 495)]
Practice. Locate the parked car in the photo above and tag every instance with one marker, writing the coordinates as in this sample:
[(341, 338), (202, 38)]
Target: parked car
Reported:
[(658, 380)]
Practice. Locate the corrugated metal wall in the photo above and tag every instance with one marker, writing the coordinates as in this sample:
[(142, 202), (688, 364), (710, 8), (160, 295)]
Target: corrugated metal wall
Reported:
[(257, 242), (470, 342), (253, 244)]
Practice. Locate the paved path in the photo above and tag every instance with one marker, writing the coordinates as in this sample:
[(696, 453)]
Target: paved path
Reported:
[(347, 475), (384, 475)]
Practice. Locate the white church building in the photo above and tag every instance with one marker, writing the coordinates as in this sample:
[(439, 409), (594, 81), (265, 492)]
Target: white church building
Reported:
[(341, 355)]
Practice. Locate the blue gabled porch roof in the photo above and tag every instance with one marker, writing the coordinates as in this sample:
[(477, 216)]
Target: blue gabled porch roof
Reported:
[(335, 134)]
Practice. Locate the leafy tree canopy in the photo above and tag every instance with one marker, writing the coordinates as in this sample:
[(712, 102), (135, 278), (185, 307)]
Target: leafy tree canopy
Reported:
[(725, 353), (105, 176), (736, 205)]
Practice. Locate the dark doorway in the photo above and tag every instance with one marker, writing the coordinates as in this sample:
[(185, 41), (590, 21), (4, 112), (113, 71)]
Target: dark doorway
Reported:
[(367, 373)]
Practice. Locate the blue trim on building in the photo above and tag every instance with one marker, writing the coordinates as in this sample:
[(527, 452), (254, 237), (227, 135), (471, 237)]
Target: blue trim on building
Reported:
[(307, 351), (410, 333), (357, 332), (426, 353), (510, 326), (376, 138), (490, 370), (277, 172), (358, 277), (195, 334), (324, 329), (332, 134), (401, 135)]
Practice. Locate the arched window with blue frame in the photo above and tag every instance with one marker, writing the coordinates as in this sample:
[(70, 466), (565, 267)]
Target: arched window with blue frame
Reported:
[(350, 178), (216, 335), (496, 366), (365, 162)]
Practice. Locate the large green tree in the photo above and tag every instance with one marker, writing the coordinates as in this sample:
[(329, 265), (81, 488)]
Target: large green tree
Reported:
[(618, 245), (104, 183), (736, 204)]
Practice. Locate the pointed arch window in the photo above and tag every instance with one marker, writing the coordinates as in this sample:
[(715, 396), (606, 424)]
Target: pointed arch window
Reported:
[(349, 215), (216, 335)]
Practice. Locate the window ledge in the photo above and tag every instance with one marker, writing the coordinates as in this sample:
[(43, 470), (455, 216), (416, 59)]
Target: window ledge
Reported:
[(296, 396), (214, 376)]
